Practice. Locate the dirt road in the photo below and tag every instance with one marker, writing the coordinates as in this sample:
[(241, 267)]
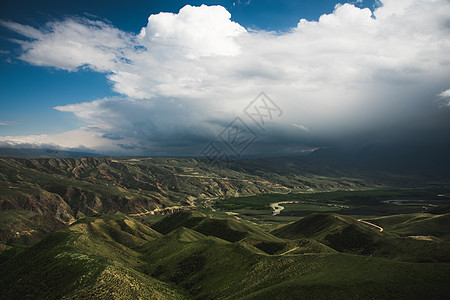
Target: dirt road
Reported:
[(371, 224)]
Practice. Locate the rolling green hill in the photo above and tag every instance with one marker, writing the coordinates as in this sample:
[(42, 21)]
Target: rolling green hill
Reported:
[(115, 256), (93, 258), (348, 235), (227, 229), (417, 224)]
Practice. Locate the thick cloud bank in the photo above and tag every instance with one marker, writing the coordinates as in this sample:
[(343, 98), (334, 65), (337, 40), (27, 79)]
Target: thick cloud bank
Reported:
[(353, 77)]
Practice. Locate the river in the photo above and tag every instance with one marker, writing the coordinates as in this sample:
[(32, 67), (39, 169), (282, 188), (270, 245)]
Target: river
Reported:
[(277, 207)]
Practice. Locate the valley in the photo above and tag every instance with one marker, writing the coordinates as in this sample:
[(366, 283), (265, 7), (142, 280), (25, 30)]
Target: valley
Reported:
[(153, 228)]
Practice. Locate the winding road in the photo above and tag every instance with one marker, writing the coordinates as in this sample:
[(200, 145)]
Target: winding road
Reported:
[(371, 224), (293, 249)]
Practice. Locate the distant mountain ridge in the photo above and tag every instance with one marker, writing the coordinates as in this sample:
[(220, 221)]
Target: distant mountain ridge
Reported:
[(423, 158), (44, 153)]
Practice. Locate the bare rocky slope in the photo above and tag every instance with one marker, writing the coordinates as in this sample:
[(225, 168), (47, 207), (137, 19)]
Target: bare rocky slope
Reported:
[(60, 191)]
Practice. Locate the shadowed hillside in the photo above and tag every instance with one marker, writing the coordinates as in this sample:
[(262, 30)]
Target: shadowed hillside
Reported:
[(102, 256), (345, 234)]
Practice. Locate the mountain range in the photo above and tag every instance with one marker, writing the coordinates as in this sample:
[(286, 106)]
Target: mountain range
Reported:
[(182, 228)]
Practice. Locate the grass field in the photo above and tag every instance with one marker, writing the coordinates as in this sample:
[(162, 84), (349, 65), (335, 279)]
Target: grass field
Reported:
[(191, 255), (360, 204)]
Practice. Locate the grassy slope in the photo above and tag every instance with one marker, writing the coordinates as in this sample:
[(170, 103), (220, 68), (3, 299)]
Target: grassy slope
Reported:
[(319, 226), (227, 229), (210, 269), (115, 256), (342, 276), (345, 234), (93, 258), (417, 224), (21, 228), (198, 266)]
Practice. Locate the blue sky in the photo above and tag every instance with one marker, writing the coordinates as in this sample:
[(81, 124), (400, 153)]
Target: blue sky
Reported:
[(29, 93), (359, 68)]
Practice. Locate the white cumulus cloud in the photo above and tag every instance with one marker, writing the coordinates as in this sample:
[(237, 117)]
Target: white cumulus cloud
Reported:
[(194, 31), (72, 44)]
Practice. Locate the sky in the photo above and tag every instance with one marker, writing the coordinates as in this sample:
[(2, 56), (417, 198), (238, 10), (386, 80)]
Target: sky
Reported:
[(258, 77)]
